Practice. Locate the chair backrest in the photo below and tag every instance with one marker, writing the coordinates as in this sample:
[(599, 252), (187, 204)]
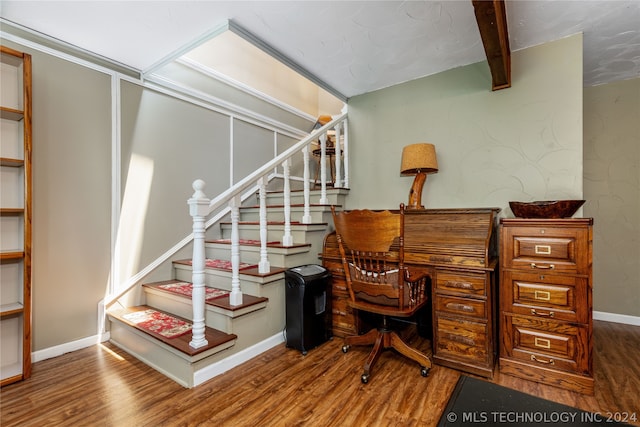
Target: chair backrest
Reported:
[(371, 245)]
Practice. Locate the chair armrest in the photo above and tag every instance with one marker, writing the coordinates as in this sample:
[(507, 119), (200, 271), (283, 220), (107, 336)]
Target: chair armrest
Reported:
[(415, 275)]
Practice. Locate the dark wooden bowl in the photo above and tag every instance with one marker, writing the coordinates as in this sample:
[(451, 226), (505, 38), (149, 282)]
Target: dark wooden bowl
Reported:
[(546, 209)]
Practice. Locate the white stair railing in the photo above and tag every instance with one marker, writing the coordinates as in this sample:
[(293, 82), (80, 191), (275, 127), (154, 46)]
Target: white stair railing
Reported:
[(200, 207)]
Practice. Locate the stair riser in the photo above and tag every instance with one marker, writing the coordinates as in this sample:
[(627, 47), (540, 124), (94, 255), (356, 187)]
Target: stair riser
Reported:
[(300, 234), (277, 213), (160, 357), (251, 255), (334, 196)]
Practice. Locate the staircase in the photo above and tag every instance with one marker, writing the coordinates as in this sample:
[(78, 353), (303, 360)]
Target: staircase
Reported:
[(235, 333)]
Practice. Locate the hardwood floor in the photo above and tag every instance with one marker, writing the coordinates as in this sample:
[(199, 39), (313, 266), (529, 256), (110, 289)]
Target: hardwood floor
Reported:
[(103, 386)]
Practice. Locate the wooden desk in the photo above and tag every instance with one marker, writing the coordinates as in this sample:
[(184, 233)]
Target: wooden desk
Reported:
[(459, 249)]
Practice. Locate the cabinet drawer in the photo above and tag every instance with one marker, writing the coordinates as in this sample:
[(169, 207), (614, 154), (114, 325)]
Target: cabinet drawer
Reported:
[(461, 339), (546, 296), (339, 288), (540, 248), (343, 316), (461, 306), (335, 267), (462, 283), (545, 343)]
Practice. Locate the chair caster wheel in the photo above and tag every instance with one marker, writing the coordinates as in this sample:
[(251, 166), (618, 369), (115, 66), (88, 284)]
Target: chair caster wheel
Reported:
[(424, 371), (345, 348), (364, 378)]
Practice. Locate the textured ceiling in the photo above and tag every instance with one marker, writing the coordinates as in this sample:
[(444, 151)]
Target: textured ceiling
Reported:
[(354, 46)]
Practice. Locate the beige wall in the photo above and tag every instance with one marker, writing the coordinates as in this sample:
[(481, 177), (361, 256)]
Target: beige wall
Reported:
[(71, 199), (612, 191), (522, 143)]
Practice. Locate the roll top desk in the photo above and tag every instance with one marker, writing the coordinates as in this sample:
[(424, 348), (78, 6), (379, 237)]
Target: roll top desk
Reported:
[(458, 247)]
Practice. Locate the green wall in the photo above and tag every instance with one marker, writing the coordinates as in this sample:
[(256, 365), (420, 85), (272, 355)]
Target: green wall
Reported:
[(522, 143)]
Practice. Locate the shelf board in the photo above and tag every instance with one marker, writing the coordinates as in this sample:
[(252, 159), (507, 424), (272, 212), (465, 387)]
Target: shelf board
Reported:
[(11, 255), (6, 161), (11, 309), (11, 114)]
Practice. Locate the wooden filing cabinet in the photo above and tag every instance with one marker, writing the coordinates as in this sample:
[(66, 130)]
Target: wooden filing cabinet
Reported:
[(546, 301)]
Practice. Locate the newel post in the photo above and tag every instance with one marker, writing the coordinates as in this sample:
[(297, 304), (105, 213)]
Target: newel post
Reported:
[(198, 209)]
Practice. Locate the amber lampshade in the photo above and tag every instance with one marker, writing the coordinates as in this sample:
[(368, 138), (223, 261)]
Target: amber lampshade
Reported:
[(419, 160)]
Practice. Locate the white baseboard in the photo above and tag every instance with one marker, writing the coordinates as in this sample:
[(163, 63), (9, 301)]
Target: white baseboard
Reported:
[(616, 318), (236, 359), (68, 347)]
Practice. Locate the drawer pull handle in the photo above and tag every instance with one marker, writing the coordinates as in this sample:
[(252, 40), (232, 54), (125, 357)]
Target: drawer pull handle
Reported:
[(461, 307), (462, 340), (546, 362), (542, 295), (458, 285), (543, 267), (340, 288), (537, 313), (338, 312)]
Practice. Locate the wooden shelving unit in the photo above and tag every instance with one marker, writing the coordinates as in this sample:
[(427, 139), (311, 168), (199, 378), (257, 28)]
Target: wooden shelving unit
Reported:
[(15, 216)]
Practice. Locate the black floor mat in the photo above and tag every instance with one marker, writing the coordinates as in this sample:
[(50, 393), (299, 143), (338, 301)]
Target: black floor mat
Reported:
[(474, 401)]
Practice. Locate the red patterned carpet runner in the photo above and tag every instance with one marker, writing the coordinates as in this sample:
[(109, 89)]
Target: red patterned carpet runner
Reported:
[(159, 323), (184, 288)]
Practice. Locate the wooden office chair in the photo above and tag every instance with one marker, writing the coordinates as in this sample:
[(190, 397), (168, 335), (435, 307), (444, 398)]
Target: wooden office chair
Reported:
[(372, 249)]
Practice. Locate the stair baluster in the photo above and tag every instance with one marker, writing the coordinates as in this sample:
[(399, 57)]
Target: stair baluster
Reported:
[(323, 169), (287, 239), (235, 298), (337, 157), (306, 217), (263, 266), (345, 154), (198, 209)]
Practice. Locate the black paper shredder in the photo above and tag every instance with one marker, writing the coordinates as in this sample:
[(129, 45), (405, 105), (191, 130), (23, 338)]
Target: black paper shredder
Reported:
[(308, 306)]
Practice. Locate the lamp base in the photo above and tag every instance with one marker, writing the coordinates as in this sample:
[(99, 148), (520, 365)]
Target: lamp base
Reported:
[(415, 194)]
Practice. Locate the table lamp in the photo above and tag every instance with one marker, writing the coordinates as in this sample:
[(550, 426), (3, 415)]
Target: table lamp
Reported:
[(419, 160)]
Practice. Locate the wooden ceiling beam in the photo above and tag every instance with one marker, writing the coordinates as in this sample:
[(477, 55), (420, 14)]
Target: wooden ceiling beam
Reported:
[(492, 23)]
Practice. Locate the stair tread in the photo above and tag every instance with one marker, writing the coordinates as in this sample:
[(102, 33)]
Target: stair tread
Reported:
[(213, 336), (250, 271), (222, 302)]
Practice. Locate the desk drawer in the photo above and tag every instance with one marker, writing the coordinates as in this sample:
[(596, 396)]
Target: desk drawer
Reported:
[(461, 283), (542, 343), (335, 267), (343, 318), (461, 306), (461, 339)]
